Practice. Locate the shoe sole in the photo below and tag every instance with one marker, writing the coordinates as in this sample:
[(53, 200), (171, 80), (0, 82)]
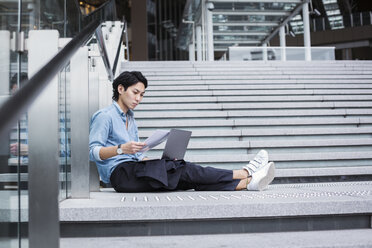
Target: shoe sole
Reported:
[(268, 178)]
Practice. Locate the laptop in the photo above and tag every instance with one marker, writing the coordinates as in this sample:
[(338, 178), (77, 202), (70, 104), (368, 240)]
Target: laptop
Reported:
[(176, 145)]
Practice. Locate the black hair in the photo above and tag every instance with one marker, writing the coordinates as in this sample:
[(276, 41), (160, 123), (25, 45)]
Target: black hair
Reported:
[(127, 79)]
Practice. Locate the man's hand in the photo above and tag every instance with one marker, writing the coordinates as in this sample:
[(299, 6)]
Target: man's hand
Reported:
[(14, 149), (132, 147)]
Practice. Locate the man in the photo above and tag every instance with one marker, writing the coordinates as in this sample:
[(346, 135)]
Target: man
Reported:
[(114, 146)]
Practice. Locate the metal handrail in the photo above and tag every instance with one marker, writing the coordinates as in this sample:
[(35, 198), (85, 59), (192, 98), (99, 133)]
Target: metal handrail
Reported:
[(103, 52), (17, 105), (118, 49)]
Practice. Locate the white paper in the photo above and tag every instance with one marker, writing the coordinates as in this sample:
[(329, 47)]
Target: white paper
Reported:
[(155, 139)]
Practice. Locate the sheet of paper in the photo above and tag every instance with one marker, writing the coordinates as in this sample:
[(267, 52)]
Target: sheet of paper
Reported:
[(158, 137)]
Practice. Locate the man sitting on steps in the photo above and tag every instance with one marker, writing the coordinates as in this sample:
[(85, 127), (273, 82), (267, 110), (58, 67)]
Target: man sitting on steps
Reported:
[(114, 147)]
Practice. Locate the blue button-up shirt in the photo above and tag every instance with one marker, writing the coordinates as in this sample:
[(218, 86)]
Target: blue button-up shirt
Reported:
[(108, 128)]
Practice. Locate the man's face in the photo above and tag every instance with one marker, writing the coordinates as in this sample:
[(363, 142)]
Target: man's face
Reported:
[(130, 98)]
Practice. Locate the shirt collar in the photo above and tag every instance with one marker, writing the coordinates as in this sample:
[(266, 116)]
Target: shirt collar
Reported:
[(121, 112)]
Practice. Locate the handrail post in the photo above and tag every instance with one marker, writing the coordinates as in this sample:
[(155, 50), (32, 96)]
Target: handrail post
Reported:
[(43, 126), (126, 40), (79, 91)]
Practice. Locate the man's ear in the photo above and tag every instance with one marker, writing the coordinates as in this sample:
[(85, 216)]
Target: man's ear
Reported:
[(120, 89)]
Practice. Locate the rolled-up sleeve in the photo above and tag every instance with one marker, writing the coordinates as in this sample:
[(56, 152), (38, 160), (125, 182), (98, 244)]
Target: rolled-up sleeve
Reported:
[(98, 134)]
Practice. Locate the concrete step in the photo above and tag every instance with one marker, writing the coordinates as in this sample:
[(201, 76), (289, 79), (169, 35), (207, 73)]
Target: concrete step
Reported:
[(264, 105), (256, 77), (202, 114), (262, 92), (249, 64), (244, 72), (261, 81), (287, 160), (273, 133), (273, 144), (280, 208), (257, 87), (245, 99), (357, 238), (257, 122), (295, 69)]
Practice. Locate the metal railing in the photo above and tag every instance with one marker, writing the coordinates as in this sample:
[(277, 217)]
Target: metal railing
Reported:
[(335, 22)]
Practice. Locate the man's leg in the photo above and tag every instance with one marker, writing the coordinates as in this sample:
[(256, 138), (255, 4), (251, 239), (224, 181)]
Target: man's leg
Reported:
[(123, 179), (209, 178)]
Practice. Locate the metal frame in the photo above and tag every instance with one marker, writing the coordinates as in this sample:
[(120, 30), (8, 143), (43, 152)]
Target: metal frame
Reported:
[(271, 27), (293, 14)]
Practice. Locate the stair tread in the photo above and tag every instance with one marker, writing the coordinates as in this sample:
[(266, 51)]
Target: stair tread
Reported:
[(272, 131), (280, 157), (278, 200)]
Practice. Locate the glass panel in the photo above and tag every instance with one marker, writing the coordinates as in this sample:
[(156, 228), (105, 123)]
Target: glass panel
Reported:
[(246, 18), (255, 6), (242, 28), (275, 53), (64, 133), (238, 37)]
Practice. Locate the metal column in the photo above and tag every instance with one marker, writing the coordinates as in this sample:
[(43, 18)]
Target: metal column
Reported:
[(264, 52), (282, 43), (191, 52), (4, 62), (192, 42), (307, 41), (199, 43), (43, 126), (79, 124), (209, 15)]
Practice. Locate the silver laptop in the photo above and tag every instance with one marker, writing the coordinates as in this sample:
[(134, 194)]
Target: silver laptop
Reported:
[(176, 145)]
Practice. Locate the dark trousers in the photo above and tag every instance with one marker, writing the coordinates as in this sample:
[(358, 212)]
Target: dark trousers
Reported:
[(160, 175)]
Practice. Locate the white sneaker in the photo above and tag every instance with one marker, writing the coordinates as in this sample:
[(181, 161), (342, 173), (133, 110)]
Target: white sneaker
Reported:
[(262, 178), (261, 159)]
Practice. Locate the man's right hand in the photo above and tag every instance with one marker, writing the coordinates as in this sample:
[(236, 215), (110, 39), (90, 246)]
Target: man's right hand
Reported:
[(132, 147), (14, 149)]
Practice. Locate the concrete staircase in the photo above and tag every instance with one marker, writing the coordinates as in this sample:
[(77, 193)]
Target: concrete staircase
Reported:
[(315, 120), (312, 115)]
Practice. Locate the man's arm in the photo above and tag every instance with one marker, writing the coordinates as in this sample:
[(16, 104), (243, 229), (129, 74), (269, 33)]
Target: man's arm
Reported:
[(131, 147)]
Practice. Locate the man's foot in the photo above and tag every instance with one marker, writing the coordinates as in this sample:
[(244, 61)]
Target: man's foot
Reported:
[(261, 159), (262, 178)]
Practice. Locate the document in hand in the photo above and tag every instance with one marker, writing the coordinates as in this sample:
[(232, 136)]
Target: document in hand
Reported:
[(155, 139)]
